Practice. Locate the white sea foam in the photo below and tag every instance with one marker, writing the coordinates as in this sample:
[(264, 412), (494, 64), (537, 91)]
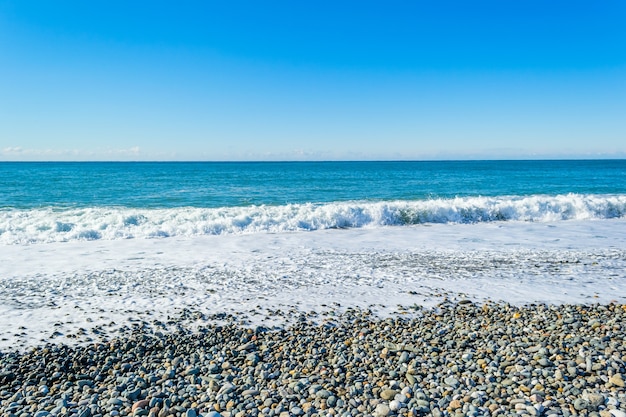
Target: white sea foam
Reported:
[(62, 225), (49, 291)]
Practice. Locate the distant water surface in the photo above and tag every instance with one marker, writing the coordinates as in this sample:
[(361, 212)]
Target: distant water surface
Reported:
[(56, 201), (212, 185)]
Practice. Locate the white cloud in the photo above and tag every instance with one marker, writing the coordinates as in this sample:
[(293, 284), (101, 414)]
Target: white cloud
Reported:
[(12, 149), (134, 150), (16, 153)]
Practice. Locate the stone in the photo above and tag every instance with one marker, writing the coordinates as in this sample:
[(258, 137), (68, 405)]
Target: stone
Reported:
[(323, 394), (581, 404), (133, 394), (595, 400), (381, 410), (507, 382), (451, 381), (453, 367), (617, 380), (140, 404), (410, 378), (388, 394), (115, 401), (250, 393), (544, 362), (84, 382), (455, 404), (531, 410)]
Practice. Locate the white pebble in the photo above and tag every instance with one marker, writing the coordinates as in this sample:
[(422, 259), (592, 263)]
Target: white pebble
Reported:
[(395, 405)]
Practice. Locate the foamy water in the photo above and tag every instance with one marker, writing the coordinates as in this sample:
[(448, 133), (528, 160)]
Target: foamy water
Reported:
[(50, 291), (91, 249), (27, 226)]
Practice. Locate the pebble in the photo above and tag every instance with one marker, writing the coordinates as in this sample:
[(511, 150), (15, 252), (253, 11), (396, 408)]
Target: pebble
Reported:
[(395, 405), (381, 410), (581, 404), (451, 381), (387, 394), (452, 361), (140, 404), (617, 380)]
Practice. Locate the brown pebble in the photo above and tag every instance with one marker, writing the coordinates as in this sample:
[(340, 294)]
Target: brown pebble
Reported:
[(455, 404), (140, 404), (617, 380)]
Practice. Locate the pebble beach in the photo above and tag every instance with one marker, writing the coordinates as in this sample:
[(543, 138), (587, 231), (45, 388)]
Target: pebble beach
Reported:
[(444, 289), (455, 359)]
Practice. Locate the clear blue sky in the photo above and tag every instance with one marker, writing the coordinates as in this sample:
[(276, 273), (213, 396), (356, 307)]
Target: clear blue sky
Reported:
[(292, 80)]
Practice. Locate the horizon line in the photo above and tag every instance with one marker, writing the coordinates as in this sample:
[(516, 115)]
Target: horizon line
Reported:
[(315, 160)]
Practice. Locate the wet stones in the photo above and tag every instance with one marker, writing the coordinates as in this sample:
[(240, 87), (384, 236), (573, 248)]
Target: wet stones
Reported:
[(452, 361)]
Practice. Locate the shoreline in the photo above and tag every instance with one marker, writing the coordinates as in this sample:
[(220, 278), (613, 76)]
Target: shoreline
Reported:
[(456, 359), (61, 291)]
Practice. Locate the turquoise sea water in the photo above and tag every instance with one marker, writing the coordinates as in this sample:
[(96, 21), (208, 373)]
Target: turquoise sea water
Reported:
[(212, 185), (91, 200)]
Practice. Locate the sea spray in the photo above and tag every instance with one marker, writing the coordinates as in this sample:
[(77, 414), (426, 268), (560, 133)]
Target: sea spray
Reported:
[(19, 226)]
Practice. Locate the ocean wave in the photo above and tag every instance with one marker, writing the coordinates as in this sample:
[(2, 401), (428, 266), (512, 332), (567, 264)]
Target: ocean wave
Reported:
[(61, 225)]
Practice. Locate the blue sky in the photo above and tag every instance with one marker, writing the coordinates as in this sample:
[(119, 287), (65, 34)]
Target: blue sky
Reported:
[(200, 80)]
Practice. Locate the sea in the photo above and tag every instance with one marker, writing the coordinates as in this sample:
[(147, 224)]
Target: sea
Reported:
[(87, 244), (62, 202)]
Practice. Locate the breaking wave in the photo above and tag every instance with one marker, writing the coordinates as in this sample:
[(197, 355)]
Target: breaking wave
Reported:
[(61, 225)]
